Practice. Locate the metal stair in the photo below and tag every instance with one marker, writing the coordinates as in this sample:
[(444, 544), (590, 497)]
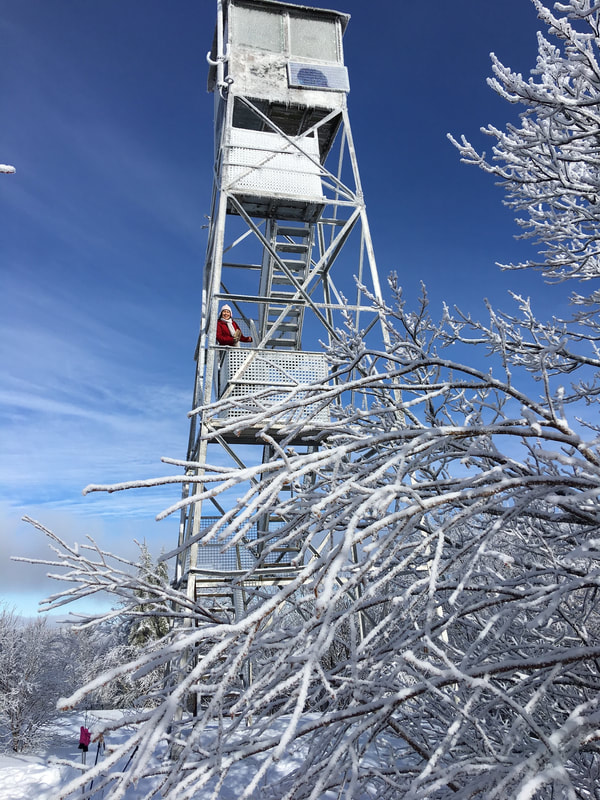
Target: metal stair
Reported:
[(216, 599), (282, 316), (280, 555)]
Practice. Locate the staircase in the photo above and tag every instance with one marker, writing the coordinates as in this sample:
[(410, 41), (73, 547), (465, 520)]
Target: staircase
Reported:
[(282, 314), (280, 554)]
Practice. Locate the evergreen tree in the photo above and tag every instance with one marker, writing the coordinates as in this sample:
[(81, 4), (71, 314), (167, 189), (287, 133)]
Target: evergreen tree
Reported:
[(146, 622)]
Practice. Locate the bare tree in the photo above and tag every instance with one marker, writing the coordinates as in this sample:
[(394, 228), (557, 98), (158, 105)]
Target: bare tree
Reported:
[(550, 164), (30, 679), (453, 561)]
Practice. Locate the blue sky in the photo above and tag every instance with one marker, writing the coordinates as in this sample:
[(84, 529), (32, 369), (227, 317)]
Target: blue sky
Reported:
[(106, 118)]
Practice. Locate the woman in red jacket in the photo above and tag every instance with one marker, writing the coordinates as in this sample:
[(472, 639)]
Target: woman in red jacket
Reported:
[(228, 331)]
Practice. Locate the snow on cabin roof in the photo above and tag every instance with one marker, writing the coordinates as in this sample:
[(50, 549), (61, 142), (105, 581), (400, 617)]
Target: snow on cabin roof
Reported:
[(309, 10)]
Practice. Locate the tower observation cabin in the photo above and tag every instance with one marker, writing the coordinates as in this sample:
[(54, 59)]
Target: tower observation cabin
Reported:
[(289, 251)]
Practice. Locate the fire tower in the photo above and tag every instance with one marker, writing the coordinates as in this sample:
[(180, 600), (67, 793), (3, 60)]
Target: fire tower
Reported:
[(288, 250)]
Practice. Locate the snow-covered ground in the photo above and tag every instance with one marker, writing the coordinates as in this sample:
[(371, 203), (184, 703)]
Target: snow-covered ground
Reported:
[(32, 775), (37, 776)]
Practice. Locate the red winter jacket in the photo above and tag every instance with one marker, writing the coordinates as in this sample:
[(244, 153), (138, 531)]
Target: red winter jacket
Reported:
[(225, 338)]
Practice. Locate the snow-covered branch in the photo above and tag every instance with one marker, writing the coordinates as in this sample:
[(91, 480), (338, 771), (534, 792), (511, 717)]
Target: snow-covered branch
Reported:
[(550, 165), (437, 635)]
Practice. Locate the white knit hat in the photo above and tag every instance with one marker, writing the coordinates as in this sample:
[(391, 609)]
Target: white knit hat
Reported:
[(225, 308)]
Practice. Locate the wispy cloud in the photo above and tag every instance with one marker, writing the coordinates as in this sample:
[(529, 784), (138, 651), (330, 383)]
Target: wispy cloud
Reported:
[(76, 396), (78, 405)]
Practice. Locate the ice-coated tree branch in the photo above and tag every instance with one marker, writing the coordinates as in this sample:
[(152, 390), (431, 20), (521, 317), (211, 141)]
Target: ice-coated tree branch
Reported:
[(550, 164), (444, 608)]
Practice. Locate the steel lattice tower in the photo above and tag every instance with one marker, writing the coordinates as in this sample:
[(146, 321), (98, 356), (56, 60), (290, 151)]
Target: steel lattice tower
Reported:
[(289, 250)]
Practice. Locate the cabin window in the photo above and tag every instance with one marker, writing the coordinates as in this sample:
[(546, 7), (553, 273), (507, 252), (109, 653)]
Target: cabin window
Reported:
[(257, 28), (314, 39)]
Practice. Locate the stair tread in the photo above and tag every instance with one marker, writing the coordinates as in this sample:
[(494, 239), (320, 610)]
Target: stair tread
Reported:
[(296, 267), (290, 247), (289, 230)]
